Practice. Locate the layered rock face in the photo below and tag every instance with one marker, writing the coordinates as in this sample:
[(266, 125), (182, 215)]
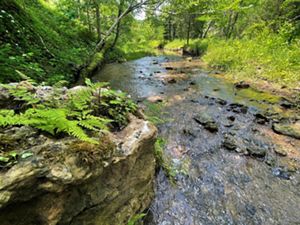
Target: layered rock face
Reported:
[(67, 181)]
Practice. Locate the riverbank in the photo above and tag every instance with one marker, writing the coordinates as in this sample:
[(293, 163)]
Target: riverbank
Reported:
[(267, 62)]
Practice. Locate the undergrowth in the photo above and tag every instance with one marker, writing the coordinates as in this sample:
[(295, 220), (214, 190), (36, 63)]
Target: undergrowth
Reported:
[(93, 108), (267, 56), (39, 41)]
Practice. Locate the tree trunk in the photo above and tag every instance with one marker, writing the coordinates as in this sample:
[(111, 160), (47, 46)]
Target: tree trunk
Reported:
[(88, 17), (188, 30), (118, 28), (207, 29), (98, 21)]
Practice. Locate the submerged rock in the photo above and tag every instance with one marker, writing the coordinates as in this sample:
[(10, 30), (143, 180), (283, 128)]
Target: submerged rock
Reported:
[(238, 108), (68, 181), (256, 148), (229, 142), (207, 122), (292, 130), (281, 173)]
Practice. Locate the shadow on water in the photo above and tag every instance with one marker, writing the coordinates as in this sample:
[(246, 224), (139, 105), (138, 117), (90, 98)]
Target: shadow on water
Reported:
[(243, 183)]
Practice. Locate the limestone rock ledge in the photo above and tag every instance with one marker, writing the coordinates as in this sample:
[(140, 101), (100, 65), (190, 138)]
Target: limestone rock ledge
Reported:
[(67, 181)]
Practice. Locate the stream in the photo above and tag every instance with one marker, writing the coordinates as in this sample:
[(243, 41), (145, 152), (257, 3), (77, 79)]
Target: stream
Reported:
[(227, 164)]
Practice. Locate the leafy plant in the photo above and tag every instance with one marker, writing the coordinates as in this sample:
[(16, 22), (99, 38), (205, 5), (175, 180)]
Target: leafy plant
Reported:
[(79, 111), (11, 158), (135, 219)]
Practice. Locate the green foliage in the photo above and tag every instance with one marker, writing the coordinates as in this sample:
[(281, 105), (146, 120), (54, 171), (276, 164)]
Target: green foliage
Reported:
[(98, 59), (266, 57), (11, 158), (37, 40), (91, 108), (152, 110), (175, 44), (161, 159), (136, 218), (197, 47)]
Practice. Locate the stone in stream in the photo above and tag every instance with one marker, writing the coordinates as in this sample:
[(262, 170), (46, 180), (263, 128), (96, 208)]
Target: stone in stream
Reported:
[(281, 173), (170, 68), (238, 108), (261, 118), (229, 142), (231, 118), (291, 130), (256, 150), (172, 81), (241, 85), (286, 103), (207, 122), (221, 101), (155, 99), (280, 151)]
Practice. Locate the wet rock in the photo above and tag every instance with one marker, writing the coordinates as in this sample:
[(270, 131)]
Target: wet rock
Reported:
[(281, 173), (238, 108), (261, 119), (221, 101), (241, 85), (207, 122), (270, 160), (155, 62), (292, 130), (192, 83), (229, 142), (216, 89), (155, 99), (286, 103), (172, 81), (170, 68), (250, 209), (256, 148), (256, 151), (280, 151), (190, 59), (228, 123), (231, 118), (189, 132)]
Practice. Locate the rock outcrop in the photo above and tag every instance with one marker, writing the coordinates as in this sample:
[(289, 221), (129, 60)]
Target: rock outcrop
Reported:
[(67, 181)]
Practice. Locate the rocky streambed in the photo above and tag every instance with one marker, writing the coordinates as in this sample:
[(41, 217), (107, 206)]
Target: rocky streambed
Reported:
[(232, 152)]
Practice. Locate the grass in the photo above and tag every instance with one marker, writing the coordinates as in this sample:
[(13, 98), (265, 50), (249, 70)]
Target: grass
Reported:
[(266, 57)]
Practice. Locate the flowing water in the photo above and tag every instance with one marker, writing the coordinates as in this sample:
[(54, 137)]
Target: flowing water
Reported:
[(211, 183)]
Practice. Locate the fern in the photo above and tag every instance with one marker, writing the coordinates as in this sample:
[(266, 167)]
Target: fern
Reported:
[(91, 108)]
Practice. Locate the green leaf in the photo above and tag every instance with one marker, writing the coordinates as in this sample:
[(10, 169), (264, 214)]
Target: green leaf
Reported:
[(4, 159), (26, 155)]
